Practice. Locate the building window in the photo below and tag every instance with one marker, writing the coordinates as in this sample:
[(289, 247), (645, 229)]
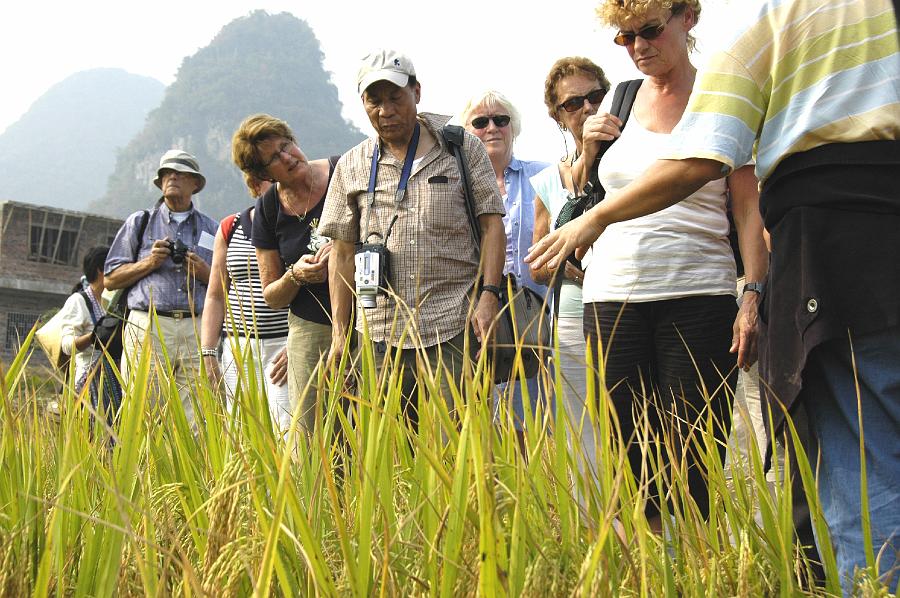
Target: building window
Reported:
[(53, 246), (18, 325)]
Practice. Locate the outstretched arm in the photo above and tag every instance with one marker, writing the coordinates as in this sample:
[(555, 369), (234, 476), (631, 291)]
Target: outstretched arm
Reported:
[(664, 184)]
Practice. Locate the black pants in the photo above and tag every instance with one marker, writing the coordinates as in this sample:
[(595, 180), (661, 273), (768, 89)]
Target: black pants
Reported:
[(668, 361)]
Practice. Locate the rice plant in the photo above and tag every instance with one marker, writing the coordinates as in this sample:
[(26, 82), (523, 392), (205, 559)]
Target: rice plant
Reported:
[(365, 506)]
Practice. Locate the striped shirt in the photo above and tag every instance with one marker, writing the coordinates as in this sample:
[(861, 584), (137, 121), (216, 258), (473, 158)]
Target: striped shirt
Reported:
[(434, 259), (250, 316), (803, 74)]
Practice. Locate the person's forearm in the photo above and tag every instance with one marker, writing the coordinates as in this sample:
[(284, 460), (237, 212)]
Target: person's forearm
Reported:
[(664, 184), (744, 188), (84, 341), (280, 292), (213, 317), (127, 274), (340, 276), (493, 248), (753, 252), (542, 275), (581, 168)]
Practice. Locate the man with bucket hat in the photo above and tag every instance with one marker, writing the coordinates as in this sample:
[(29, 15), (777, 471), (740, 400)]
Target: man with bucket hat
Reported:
[(162, 256)]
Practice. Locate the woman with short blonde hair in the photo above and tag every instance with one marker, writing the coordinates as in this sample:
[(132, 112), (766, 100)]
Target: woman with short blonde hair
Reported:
[(659, 292), (292, 256)]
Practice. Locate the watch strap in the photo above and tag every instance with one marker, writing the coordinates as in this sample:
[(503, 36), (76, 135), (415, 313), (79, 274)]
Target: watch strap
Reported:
[(756, 287), (490, 288)]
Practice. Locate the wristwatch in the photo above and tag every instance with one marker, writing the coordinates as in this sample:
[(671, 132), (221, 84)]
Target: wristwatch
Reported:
[(756, 287), (490, 288)]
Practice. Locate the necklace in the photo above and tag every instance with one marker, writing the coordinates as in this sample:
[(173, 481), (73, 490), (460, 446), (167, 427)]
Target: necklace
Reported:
[(310, 187)]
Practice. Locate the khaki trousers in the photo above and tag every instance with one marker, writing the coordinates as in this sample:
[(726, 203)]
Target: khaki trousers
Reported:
[(180, 341), (307, 346)]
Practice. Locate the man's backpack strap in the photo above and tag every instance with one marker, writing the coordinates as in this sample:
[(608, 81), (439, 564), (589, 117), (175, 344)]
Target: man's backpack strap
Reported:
[(142, 228), (454, 135), (118, 303)]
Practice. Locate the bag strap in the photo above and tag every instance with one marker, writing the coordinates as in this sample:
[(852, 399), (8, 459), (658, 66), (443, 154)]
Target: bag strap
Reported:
[(87, 302), (622, 102), (142, 228), (228, 227), (268, 201), (454, 136)]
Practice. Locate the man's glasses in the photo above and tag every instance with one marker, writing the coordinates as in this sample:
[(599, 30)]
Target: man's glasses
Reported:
[(650, 32), (574, 103), (500, 121), (284, 148)]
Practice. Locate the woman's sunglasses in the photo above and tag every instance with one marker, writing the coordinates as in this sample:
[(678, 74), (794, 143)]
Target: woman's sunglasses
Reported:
[(651, 32), (500, 121), (574, 103)]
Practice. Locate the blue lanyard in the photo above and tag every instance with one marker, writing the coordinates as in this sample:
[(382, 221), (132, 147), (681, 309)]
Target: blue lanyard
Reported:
[(401, 187)]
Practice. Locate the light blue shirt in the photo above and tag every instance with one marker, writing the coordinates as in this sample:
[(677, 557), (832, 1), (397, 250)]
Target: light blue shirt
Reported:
[(519, 219), (169, 285)]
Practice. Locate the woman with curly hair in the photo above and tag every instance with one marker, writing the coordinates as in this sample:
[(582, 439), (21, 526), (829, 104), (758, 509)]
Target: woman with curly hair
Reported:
[(659, 292)]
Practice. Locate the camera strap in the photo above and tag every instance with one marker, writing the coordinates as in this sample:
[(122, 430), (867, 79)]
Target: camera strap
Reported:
[(401, 186)]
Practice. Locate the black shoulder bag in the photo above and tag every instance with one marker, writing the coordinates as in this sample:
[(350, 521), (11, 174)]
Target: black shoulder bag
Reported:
[(524, 320)]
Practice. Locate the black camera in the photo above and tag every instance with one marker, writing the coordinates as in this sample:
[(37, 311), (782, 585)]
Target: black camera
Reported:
[(372, 272), (179, 251)]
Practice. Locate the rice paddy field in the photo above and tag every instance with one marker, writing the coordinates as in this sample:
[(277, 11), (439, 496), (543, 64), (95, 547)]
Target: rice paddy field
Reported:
[(152, 507)]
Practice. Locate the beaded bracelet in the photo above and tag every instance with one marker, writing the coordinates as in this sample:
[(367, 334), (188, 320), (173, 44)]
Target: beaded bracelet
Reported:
[(209, 352), (294, 279)]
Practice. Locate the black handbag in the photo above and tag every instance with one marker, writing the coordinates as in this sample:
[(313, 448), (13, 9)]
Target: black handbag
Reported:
[(523, 325)]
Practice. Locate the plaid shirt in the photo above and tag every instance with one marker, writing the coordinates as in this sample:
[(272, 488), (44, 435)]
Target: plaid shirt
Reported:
[(434, 260)]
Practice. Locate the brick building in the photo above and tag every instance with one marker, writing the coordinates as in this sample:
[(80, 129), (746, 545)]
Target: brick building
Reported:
[(41, 250)]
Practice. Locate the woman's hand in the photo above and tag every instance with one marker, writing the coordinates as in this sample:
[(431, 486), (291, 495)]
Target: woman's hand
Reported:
[(213, 373), (278, 374), (573, 273), (324, 251), (576, 236), (601, 127), (308, 270), (746, 331)]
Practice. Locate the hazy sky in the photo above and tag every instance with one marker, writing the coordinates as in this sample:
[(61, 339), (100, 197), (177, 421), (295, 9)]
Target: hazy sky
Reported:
[(459, 48)]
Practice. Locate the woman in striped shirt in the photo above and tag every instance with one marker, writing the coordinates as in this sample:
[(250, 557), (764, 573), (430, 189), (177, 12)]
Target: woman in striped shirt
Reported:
[(251, 327)]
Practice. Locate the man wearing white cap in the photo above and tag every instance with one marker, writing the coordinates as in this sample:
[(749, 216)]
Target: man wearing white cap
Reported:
[(162, 257), (399, 195)]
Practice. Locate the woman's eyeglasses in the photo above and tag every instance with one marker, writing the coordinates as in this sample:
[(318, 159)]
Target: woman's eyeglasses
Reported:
[(574, 103), (500, 121), (650, 32), (284, 148)]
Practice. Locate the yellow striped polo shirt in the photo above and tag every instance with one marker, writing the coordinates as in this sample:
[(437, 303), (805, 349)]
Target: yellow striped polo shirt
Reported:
[(805, 73)]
